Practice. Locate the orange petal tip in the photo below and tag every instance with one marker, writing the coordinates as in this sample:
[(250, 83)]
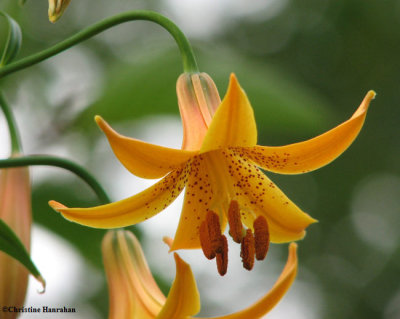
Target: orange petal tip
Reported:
[(168, 240), (56, 205), (233, 81), (99, 120), (371, 94)]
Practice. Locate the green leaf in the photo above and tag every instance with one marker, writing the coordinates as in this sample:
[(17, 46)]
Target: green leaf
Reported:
[(22, 2), (13, 42), (11, 245)]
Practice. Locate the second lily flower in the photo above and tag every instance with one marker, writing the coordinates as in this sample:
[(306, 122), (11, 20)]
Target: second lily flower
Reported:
[(219, 164)]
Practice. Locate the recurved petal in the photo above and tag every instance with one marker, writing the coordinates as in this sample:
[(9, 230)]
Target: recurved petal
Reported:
[(131, 210), (314, 153), (233, 124), (133, 292), (183, 299), (258, 195), (198, 197), (143, 159), (271, 299)]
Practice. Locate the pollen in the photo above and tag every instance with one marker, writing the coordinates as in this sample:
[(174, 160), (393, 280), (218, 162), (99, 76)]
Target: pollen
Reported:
[(261, 237), (205, 241), (211, 239), (248, 250), (222, 257), (214, 231), (235, 223)]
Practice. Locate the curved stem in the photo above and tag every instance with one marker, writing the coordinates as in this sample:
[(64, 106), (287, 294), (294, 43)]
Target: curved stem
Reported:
[(16, 146), (189, 61), (58, 162)]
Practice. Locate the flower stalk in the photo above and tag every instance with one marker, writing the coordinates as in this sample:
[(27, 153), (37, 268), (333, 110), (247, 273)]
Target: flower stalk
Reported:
[(34, 160), (16, 146), (188, 59)]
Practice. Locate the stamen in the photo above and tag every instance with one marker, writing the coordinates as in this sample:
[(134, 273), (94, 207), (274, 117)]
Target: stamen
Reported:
[(205, 241), (261, 237), (235, 223), (222, 257), (214, 231), (248, 250)]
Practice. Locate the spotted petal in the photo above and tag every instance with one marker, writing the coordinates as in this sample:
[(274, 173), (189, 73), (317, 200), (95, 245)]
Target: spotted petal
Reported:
[(258, 195), (131, 210), (144, 159), (183, 299), (233, 124), (271, 299), (314, 153), (198, 198)]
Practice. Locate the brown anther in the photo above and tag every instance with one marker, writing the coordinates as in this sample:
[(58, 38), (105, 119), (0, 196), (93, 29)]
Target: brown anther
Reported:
[(205, 241), (214, 231), (222, 257), (261, 237), (235, 223), (248, 250)]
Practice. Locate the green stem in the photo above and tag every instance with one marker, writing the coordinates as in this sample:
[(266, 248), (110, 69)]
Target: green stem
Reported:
[(189, 61), (58, 162), (16, 146)]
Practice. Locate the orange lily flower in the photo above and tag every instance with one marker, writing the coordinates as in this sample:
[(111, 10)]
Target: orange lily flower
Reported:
[(15, 210), (57, 8), (134, 294), (219, 164)]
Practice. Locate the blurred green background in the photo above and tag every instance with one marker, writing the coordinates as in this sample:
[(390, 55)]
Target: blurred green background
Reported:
[(305, 65)]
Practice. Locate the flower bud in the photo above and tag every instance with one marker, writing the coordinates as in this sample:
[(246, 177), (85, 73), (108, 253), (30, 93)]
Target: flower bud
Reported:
[(57, 8), (15, 211)]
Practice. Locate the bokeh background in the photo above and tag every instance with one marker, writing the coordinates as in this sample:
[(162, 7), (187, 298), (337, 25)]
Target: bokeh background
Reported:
[(305, 65)]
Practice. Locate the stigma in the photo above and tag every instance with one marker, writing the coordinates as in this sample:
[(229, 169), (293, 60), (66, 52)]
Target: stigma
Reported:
[(254, 243)]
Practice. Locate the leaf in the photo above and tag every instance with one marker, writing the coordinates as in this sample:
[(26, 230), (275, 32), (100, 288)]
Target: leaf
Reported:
[(11, 245), (13, 42)]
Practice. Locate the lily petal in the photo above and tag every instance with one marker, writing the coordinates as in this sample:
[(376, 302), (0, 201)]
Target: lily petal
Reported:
[(143, 159), (198, 196), (132, 289), (131, 210), (198, 100), (271, 299), (183, 299), (233, 124), (314, 153), (258, 195)]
